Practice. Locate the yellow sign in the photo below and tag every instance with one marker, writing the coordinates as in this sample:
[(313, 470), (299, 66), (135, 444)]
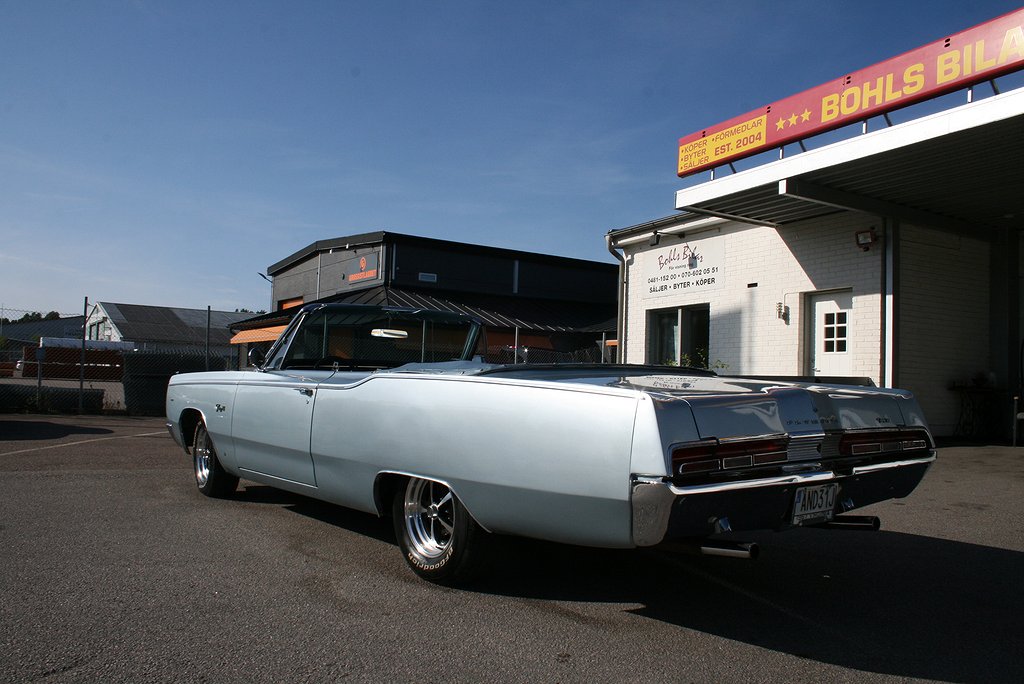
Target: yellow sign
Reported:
[(744, 137)]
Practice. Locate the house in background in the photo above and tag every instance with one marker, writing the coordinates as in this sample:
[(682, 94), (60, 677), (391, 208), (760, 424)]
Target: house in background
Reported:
[(161, 328)]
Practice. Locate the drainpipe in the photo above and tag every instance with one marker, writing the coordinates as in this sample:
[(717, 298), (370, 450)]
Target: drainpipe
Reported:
[(319, 255), (890, 302), (620, 321)]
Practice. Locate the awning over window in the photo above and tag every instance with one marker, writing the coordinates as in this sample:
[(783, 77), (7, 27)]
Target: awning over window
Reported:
[(258, 335)]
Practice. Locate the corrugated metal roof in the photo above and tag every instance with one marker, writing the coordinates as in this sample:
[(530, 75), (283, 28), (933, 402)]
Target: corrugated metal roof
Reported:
[(495, 312), (141, 323)]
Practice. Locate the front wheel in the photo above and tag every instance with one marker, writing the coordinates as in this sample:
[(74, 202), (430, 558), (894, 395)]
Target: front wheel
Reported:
[(211, 478), (439, 539)]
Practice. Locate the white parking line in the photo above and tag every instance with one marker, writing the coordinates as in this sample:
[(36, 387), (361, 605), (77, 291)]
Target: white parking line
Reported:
[(84, 441)]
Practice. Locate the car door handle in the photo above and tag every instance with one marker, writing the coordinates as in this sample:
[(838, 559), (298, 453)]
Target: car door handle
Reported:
[(308, 391)]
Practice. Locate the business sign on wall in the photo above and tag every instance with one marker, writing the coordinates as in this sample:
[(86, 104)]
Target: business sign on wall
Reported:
[(362, 268), (972, 56), (684, 268)]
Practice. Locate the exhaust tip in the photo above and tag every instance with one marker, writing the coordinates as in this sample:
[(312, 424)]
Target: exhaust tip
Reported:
[(747, 550), (714, 547), (867, 523)]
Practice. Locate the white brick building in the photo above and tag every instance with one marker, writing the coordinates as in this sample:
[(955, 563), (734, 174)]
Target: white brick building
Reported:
[(893, 256)]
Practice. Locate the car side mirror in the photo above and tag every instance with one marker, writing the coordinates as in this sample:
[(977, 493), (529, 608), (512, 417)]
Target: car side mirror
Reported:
[(256, 357)]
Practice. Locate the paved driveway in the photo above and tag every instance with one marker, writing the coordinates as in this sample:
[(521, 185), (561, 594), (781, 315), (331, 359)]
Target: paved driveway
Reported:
[(113, 568)]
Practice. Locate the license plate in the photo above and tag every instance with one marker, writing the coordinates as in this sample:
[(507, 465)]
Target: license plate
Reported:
[(815, 504)]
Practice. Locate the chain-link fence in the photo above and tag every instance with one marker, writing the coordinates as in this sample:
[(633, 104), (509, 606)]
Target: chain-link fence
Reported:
[(64, 374), (42, 379), (66, 380)]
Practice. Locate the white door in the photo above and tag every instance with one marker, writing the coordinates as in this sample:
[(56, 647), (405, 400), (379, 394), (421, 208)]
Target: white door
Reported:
[(831, 352)]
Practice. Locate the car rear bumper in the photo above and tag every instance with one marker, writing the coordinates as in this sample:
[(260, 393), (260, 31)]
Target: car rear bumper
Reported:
[(663, 511)]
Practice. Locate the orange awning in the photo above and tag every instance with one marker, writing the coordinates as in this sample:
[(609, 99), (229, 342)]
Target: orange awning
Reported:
[(258, 334)]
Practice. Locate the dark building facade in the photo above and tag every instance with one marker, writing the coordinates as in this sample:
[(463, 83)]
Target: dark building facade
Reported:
[(536, 307)]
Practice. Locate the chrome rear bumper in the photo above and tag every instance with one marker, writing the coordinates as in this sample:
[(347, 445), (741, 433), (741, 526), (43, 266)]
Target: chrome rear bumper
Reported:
[(662, 510)]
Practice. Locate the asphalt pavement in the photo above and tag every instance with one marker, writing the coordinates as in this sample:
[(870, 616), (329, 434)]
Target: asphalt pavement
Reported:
[(114, 568)]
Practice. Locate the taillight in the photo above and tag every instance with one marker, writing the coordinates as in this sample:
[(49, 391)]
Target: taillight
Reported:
[(701, 457), (872, 443), (695, 458)]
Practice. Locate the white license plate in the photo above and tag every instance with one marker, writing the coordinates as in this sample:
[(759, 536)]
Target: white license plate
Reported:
[(815, 504)]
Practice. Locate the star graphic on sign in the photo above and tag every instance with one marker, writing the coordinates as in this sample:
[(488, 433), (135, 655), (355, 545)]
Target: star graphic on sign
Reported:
[(780, 124), (792, 120), (806, 116)]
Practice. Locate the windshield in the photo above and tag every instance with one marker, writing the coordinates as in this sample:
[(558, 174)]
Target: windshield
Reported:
[(344, 338)]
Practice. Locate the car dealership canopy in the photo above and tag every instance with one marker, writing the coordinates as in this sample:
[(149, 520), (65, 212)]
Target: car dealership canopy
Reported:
[(957, 169)]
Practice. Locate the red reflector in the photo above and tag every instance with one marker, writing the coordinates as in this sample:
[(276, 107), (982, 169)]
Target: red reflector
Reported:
[(695, 458), (697, 467), (870, 443), (707, 456)]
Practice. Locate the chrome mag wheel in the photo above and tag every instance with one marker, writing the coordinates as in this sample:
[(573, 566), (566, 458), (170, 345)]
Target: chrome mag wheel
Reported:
[(211, 478), (429, 511), (201, 454)]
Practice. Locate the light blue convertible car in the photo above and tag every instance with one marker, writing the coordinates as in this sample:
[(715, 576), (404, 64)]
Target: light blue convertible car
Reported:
[(389, 411)]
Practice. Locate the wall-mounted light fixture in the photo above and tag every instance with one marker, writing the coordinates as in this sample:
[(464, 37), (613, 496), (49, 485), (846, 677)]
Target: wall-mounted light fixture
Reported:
[(866, 238), (655, 239), (782, 312)]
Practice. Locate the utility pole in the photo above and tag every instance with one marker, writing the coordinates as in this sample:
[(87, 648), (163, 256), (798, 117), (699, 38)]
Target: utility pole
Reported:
[(81, 362)]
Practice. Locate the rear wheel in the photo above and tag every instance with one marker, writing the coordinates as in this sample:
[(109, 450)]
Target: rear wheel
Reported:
[(439, 539), (211, 478)]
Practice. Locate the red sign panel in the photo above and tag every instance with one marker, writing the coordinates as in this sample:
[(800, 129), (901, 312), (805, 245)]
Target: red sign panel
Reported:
[(977, 54)]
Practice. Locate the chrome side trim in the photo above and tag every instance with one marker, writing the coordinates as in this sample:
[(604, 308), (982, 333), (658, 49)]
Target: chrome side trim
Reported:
[(264, 476), (893, 464), (174, 434), (796, 478)]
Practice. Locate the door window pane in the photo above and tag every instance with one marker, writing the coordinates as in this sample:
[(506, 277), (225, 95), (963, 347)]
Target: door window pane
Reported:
[(835, 332)]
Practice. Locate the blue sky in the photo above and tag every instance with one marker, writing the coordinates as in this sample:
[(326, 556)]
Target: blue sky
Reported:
[(165, 152)]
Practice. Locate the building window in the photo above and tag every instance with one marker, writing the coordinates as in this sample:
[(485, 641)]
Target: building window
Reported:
[(835, 333), (663, 338), (679, 337)]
